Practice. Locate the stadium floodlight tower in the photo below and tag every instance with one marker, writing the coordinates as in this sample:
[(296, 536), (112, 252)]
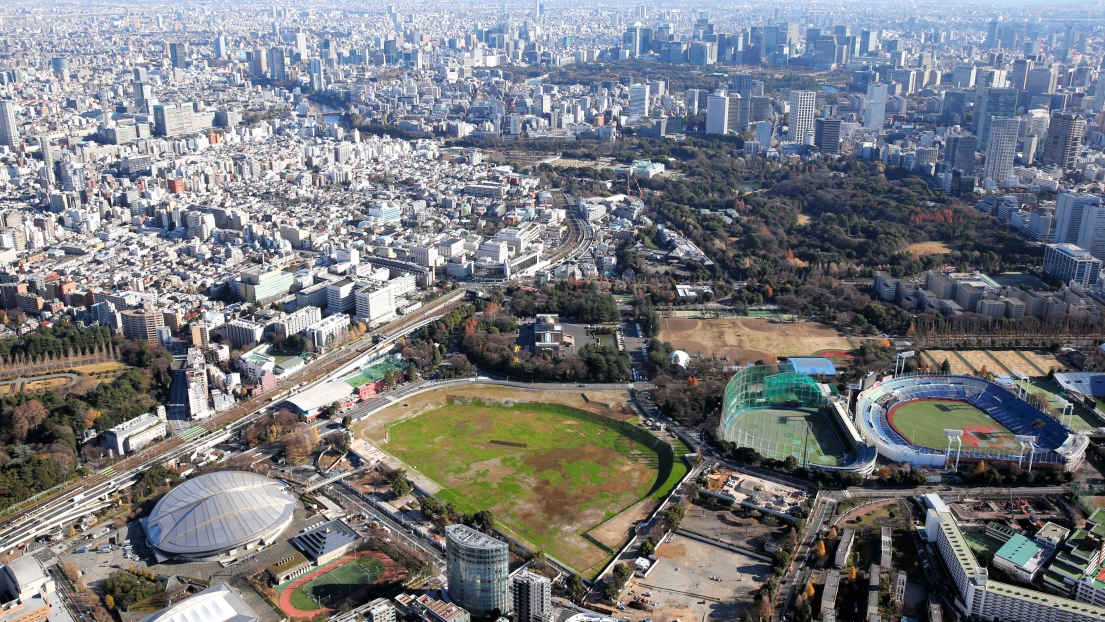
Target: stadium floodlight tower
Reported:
[(1029, 441), (1067, 418), (1022, 383), (901, 359), (957, 437)]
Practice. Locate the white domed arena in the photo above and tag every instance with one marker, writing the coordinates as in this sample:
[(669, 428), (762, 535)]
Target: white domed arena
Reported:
[(219, 516)]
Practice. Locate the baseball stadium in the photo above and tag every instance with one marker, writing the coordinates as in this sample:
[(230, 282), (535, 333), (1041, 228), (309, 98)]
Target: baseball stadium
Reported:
[(781, 413), (938, 421)]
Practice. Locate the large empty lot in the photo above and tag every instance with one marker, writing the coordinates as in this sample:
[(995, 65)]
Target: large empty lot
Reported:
[(549, 473), (747, 340), (681, 582)]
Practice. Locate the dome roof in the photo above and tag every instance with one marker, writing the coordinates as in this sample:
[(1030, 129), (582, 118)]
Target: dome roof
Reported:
[(219, 511)]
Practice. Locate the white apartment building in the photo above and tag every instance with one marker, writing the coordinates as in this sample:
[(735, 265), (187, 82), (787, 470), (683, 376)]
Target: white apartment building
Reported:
[(424, 255), (495, 251), (717, 114), (339, 296), (325, 332), (976, 595), (298, 321)]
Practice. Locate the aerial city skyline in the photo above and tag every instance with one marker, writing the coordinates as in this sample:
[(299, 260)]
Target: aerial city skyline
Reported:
[(552, 312)]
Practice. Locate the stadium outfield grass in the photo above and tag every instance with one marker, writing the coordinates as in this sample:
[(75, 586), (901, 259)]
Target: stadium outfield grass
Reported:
[(923, 422), (338, 583)]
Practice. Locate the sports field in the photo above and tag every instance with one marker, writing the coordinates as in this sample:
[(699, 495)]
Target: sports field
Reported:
[(778, 433), (922, 422), (548, 472), (337, 583)]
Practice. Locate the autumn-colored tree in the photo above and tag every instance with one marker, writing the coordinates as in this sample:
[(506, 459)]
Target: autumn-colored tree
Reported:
[(833, 533), (692, 382), (821, 548), (90, 416), (981, 468), (769, 293), (109, 601), (26, 417), (809, 591), (852, 573)]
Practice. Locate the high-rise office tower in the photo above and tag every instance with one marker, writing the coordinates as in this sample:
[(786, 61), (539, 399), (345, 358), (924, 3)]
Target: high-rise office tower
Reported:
[(301, 44), (874, 112), (59, 66), (1001, 148), (802, 110), (178, 55), (47, 160), (220, 46), (992, 103), (1070, 211), (638, 100), (1019, 77), (717, 114), (764, 131), (1064, 138), (172, 119), (827, 135), (259, 62), (1091, 233), (278, 70), (143, 95), (9, 131), (532, 597), (959, 152), (315, 70), (1041, 80), (868, 42), (479, 571)]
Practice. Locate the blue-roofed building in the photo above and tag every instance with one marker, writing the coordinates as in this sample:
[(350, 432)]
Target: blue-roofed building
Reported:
[(1022, 558), (327, 541), (1082, 382), (813, 365)]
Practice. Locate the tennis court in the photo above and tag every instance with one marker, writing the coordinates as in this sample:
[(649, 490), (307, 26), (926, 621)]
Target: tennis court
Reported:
[(777, 433), (337, 584)]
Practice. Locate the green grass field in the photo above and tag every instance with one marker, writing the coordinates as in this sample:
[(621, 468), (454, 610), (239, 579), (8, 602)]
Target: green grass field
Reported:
[(548, 472), (1082, 420), (778, 433), (336, 584), (923, 423)]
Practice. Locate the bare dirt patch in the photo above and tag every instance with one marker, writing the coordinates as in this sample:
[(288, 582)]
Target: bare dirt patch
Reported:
[(747, 340)]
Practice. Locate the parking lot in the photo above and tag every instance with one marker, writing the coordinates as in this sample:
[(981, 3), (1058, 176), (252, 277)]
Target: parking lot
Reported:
[(693, 579)]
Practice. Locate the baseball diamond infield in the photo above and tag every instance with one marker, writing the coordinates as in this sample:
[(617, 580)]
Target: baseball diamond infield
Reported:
[(922, 423)]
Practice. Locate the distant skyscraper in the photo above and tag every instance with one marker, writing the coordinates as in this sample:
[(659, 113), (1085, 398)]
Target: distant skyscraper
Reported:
[(638, 100), (59, 66), (717, 114), (764, 131), (9, 131), (874, 112), (1064, 138), (1042, 80), (802, 105), (992, 103), (315, 70), (220, 46), (1070, 211), (479, 571), (278, 70), (143, 95), (1002, 148), (47, 160), (178, 55), (959, 152), (827, 135), (1019, 77)]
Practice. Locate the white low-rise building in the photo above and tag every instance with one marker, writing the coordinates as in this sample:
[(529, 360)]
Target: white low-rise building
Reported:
[(135, 434)]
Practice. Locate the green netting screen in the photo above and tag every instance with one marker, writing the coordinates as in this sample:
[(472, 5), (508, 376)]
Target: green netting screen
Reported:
[(765, 386)]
